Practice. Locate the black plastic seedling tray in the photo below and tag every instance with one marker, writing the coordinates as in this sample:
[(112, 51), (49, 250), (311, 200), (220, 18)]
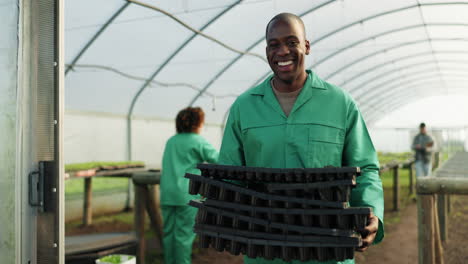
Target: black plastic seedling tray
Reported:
[(300, 175), (321, 241), (271, 249), (348, 218), (291, 214), (226, 191), (227, 218)]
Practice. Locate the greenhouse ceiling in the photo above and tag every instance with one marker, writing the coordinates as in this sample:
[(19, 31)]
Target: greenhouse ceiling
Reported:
[(153, 58)]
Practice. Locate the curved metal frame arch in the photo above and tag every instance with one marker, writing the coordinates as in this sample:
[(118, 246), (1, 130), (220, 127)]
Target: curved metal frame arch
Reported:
[(422, 91), (325, 36), (229, 65), (421, 87), (387, 73), (382, 84), (357, 43), (393, 11), (412, 74), (397, 82), (379, 95), (378, 66), (367, 39), (359, 22), (225, 117), (395, 103), (425, 82), (158, 70), (410, 43), (413, 91), (370, 115), (370, 120), (96, 35)]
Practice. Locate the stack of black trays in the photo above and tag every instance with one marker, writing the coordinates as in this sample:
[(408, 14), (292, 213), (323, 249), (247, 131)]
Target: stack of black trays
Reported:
[(291, 214)]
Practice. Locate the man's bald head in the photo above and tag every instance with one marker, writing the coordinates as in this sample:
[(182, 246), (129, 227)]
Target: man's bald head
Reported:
[(285, 17)]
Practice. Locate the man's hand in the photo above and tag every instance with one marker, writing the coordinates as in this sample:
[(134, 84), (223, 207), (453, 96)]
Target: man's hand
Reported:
[(369, 232), (418, 146)]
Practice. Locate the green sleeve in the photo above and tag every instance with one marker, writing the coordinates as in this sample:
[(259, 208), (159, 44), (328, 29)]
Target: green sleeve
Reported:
[(209, 153), (359, 152), (232, 150)]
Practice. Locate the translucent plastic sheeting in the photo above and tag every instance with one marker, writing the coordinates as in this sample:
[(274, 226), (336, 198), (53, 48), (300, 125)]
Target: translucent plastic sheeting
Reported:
[(374, 77), (410, 94), (407, 85), (99, 136), (83, 19), (370, 39), (376, 110), (8, 119), (400, 140), (402, 78)]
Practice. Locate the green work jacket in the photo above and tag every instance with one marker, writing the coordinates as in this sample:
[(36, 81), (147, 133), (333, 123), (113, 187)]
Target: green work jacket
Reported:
[(324, 128), (182, 153)]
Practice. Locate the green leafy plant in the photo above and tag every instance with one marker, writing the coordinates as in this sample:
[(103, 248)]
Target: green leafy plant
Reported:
[(391, 157), (100, 164), (115, 259)]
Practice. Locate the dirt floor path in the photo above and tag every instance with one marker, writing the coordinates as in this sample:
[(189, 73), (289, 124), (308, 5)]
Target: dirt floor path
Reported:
[(400, 245), (456, 247)]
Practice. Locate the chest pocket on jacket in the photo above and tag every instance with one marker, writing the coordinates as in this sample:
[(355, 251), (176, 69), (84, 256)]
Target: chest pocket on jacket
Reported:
[(325, 146)]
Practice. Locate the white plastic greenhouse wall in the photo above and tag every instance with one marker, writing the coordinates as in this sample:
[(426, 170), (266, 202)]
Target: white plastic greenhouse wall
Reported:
[(130, 66), (8, 120)]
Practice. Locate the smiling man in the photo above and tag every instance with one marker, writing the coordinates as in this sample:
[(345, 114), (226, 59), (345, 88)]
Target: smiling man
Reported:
[(296, 120)]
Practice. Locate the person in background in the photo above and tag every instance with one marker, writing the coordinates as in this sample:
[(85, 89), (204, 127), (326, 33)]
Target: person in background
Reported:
[(422, 145), (182, 153)]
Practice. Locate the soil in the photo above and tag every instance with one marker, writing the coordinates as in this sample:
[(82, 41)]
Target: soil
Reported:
[(398, 247), (456, 247), (400, 242)]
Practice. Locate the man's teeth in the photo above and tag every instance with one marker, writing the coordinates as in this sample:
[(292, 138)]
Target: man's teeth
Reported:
[(284, 63)]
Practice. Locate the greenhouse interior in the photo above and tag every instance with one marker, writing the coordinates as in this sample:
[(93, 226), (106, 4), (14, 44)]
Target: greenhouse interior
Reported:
[(93, 96)]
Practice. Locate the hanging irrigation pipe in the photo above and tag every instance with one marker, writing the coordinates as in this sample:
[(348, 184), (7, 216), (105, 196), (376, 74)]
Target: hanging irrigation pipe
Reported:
[(197, 31), (95, 36), (159, 83)]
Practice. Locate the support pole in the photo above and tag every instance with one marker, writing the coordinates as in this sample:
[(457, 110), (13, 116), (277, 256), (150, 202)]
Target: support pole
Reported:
[(426, 244), (140, 224), (439, 251), (153, 212), (87, 206), (411, 178), (429, 245), (442, 213), (449, 204), (396, 189)]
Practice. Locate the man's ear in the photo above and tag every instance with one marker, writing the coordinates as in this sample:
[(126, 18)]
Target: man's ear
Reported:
[(307, 44)]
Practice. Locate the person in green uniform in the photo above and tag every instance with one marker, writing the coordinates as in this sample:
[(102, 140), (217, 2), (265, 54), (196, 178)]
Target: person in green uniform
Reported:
[(296, 120), (182, 153)]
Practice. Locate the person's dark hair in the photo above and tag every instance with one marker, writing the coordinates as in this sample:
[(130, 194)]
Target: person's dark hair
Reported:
[(422, 125), (189, 119), (288, 17)]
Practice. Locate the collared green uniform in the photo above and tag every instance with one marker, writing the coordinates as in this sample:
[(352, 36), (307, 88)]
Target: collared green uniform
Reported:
[(181, 155), (324, 128)]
